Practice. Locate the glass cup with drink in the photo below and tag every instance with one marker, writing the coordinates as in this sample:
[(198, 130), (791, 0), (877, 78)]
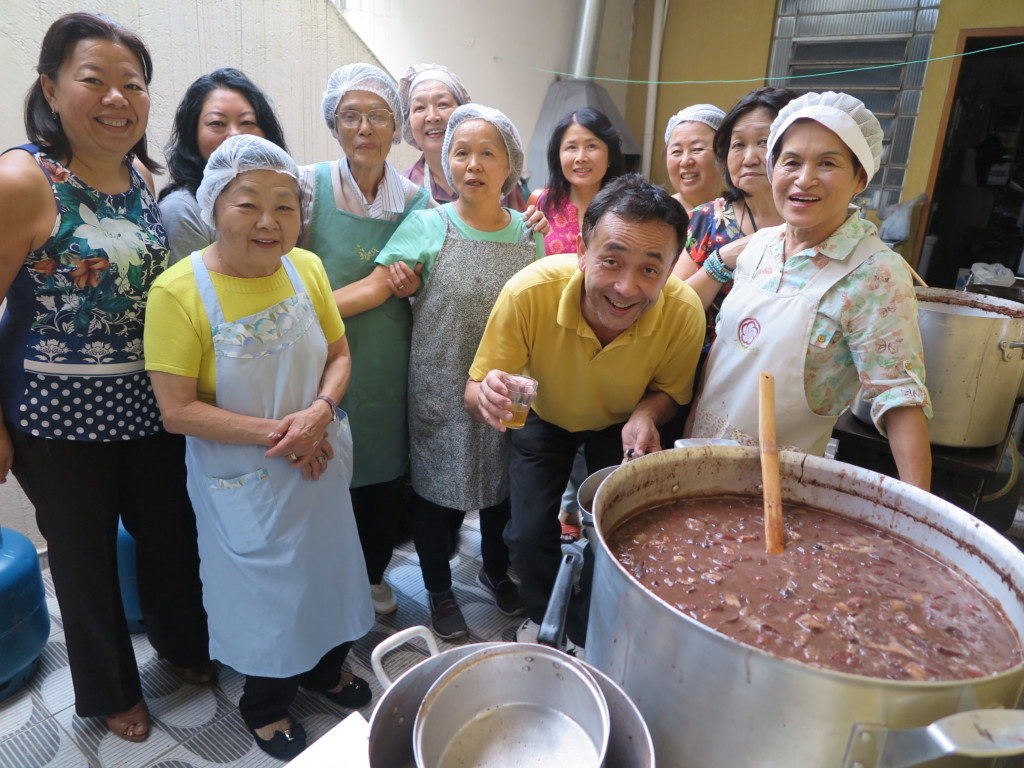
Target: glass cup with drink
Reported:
[(521, 391)]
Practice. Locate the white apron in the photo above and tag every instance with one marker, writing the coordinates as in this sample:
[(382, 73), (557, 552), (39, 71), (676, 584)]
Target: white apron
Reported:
[(761, 330), (283, 574)]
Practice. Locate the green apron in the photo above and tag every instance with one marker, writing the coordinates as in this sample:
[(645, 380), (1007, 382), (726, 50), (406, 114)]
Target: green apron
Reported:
[(378, 339)]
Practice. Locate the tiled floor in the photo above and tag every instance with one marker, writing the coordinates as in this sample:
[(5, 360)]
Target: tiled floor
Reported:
[(200, 727), (196, 727)]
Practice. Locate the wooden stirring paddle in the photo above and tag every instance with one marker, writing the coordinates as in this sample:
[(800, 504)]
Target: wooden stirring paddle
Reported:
[(774, 533)]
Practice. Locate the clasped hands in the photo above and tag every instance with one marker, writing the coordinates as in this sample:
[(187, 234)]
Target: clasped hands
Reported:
[(301, 437)]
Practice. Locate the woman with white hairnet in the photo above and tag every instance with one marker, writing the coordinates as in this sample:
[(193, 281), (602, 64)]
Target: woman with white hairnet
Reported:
[(467, 250), (352, 206), (690, 155), (248, 358), (429, 94), (820, 301)]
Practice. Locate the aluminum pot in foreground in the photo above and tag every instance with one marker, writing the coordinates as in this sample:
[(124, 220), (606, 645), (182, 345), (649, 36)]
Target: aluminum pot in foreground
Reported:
[(711, 701), (394, 716)]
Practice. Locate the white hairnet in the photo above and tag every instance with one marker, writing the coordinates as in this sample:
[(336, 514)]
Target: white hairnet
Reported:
[(513, 143), (426, 73), (236, 155), (708, 114), (842, 114), (361, 77)]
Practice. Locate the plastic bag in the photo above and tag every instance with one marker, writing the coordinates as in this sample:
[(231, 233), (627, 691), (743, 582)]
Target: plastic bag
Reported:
[(991, 274), (896, 220)]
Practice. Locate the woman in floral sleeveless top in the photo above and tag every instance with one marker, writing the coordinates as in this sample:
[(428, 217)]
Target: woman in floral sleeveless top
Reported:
[(82, 244)]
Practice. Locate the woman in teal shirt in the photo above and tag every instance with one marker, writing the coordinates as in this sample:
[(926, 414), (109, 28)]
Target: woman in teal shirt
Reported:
[(466, 250)]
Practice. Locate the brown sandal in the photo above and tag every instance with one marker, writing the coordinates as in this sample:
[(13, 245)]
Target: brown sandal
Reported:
[(126, 725)]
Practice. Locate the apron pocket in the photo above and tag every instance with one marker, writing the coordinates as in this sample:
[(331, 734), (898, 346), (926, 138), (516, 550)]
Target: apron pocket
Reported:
[(241, 507)]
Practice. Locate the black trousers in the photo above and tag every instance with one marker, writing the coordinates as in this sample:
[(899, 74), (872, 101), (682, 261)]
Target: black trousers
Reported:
[(79, 490), (376, 510), (540, 461), (432, 528), (265, 700)]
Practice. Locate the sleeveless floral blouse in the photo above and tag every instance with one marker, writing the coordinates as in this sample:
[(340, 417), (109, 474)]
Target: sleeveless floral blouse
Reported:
[(71, 364)]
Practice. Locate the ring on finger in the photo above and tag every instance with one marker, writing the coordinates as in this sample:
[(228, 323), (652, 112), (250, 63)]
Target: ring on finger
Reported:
[(293, 457), (321, 459)]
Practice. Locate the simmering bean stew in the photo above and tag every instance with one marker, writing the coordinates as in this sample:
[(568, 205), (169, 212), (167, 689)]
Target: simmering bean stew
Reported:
[(844, 595)]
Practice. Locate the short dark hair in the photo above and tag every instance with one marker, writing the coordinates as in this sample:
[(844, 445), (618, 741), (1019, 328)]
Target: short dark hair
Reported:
[(769, 98), (598, 124), (184, 161), (634, 198), (41, 127)]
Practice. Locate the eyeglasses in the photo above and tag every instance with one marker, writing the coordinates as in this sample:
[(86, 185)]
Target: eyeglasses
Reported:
[(351, 118)]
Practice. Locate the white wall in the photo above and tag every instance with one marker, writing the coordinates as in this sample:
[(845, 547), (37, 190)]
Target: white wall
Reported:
[(288, 47), (488, 42)]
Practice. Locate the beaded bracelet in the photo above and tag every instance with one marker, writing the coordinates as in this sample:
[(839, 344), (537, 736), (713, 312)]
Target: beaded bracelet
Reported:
[(716, 268), (327, 400)]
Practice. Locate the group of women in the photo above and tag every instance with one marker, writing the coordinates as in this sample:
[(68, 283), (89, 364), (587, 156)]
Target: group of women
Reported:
[(304, 379)]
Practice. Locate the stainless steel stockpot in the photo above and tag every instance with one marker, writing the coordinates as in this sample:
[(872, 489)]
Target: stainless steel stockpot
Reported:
[(514, 705), (974, 365), (393, 719), (711, 701)]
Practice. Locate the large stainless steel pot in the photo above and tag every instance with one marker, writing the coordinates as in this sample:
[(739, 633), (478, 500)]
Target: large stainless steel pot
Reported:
[(711, 701), (974, 365), (394, 716), (514, 705)]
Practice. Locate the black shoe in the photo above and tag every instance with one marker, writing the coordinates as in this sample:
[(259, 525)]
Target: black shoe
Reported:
[(506, 595), (445, 617), (355, 695), (286, 744)]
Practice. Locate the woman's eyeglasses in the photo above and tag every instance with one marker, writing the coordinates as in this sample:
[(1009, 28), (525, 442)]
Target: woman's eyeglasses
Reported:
[(351, 118)]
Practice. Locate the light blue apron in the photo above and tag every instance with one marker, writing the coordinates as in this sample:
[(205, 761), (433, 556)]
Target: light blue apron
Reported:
[(283, 574)]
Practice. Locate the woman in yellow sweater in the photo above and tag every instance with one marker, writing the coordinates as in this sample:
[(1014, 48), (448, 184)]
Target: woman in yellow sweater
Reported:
[(248, 359)]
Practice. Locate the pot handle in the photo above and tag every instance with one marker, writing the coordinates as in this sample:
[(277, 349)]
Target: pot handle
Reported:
[(391, 642), (1006, 346), (985, 733), (552, 628)]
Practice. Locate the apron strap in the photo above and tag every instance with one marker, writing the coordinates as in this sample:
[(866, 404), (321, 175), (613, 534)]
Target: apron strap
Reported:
[(211, 302)]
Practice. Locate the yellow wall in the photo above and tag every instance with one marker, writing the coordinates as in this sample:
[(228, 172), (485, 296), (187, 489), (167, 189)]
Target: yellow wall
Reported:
[(954, 15), (716, 40)]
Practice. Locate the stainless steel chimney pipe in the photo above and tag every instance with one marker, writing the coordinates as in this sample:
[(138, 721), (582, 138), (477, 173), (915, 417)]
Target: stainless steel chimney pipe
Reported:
[(588, 31)]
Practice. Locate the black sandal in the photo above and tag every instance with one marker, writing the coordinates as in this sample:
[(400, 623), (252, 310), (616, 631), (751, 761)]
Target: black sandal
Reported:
[(355, 694)]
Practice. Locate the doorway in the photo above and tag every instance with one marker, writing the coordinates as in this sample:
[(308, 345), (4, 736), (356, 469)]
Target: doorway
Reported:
[(977, 212)]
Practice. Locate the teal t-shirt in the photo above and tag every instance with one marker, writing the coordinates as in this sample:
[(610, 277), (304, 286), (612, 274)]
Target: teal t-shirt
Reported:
[(419, 238)]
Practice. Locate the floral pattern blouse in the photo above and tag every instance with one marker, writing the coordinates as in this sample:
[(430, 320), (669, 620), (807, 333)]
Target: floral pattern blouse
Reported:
[(865, 332), (565, 226), (71, 339), (712, 225)]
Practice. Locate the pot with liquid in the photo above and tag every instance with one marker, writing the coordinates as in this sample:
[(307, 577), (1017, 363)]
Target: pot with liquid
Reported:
[(712, 700)]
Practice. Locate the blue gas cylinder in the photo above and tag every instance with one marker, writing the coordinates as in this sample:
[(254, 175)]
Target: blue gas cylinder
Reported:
[(129, 580), (24, 618)]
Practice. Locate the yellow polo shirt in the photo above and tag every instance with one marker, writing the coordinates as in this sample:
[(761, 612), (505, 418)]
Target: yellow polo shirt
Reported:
[(537, 327)]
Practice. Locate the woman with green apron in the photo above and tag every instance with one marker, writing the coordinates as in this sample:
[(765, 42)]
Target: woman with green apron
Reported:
[(248, 357), (352, 206)]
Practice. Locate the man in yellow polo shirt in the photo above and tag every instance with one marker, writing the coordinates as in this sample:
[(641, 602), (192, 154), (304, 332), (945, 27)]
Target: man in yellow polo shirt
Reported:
[(613, 339)]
